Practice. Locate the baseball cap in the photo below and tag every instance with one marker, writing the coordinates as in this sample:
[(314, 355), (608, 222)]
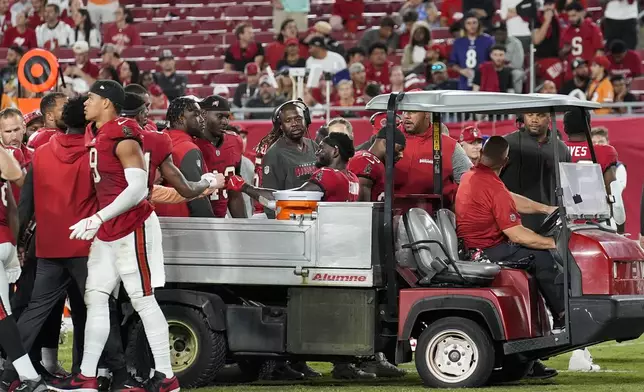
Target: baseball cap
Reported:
[(317, 41), (251, 69), (32, 116), (439, 66), (470, 134), (291, 41), (356, 67), (155, 90), (215, 103), (133, 105), (221, 90), (265, 79), (166, 54), (578, 62), (110, 90), (110, 48), (602, 61), (80, 47)]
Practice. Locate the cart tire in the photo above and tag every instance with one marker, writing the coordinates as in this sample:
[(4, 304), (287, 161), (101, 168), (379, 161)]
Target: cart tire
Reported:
[(454, 352), (255, 369), (512, 370), (197, 353)]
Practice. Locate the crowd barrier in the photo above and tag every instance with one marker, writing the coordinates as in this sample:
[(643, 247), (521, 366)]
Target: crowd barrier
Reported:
[(624, 134)]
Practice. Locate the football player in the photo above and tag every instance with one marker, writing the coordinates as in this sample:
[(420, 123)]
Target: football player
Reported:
[(51, 107), (127, 246), (332, 177), (368, 165)]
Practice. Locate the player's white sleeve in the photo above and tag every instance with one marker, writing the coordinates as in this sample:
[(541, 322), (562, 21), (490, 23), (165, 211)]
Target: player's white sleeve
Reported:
[(137, 190)]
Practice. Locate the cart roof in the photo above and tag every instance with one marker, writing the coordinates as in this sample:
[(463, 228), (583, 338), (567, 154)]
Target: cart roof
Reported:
[(447, 101)]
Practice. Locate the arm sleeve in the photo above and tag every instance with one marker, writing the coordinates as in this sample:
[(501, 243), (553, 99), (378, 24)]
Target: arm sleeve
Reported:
[(191, 170), (26, 204), (460, 163), (137, 190)]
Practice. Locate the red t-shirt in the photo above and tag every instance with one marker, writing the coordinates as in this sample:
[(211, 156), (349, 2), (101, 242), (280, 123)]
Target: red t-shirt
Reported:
[(585, 40), (630, 67), (34, 21), (121, 37), (225, 159), (157, 146), (366, 165), (337, 185), (606, 155), (274, 52), (13, 37), (182, 143), (380, 76), (41, 137), (109, 175), (484, 208), (63, 195)]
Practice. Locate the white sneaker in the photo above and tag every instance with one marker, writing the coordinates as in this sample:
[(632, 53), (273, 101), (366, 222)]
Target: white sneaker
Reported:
[(582, 361)]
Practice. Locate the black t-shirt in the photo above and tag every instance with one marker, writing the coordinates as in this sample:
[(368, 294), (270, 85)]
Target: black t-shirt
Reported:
[(505, 79), (300, 63), (549, 47), (173, 86), (569, 86), (247, 55)]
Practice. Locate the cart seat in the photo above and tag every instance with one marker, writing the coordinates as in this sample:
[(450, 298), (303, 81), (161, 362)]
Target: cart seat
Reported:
[(432, 261), (446, 220)]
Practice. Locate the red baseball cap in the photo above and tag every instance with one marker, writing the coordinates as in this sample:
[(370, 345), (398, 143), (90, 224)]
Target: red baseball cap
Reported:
[(291, 41), (155, 90), (470, 134), (602, 61), (251, 69), (29, 117)]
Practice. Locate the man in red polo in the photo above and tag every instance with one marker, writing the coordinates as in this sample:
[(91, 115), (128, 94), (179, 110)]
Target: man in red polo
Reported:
[(487, 218)]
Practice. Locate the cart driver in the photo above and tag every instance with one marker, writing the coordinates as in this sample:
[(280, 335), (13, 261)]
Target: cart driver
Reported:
[(332, 177), (487, 218), (415, 171)]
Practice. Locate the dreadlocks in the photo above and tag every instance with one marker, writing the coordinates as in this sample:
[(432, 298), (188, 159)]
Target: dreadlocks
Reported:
[(269, 139), (176, 109)]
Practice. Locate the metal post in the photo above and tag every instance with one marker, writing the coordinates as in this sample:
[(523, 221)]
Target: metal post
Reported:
[(532, 49), (328, 100), (388, 225)]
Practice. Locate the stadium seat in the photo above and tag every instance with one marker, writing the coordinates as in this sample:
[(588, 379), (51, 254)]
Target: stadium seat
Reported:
[(179, 27), (64, 54), (441, 33), (202, 52), (321, 9), (263, 25), (147, 65), (131, 3), (214, 26), (135, 53), (156, 3), (170, 13), (185, 66), (197, 80), (211, 66), (192, 40), (264, 37), (380, 8), (637, 84), (209, 14), (159, 40), (262, 12), (202, 91), (147, 29), (142, 14), (228, 78), (179, 51), (229, 38), (238, 12)]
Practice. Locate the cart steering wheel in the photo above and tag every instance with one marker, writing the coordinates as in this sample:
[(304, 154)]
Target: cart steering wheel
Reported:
[(549, 223)]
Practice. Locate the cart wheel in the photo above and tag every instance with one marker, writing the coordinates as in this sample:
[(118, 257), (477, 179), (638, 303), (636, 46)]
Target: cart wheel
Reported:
[(197, 353), (454, 352), (255, 369), (511, 370)]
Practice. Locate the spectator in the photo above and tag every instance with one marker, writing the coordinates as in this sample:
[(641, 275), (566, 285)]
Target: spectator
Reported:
[(83, 69), (284, 87), (433, 16), (409, 18), (356, 55), (341, 125), (265, 99), (18, 7), (323, 29), (5, 16), (109, 73), (434, 55), (84, 29), (579, 81), (547, 32), (472, 142), (37, 16), (600, 135), (10, 71), (292, 57), (122, 34), (244, 51), (359, 78), (371, 91), (346, 98), (384, 34), (378, 67), (484, 10), (600, 89), (548, 87), (620, 22), (33, 122), (514, 55), (416, 5), (321, 57), (494, 76), (129, 73), (415, 52), (274, 52), (111, 57), (350, 12), (440, 79), (582, 38), (396, 80), (20, 34), (158, 101), (54, 33), (172, 83), (147, 79), (623, 61), (451, 11), (68, 9), (296, 10), (470, 50), (621, 93), (517, 27), (246, 90), (102, 11)]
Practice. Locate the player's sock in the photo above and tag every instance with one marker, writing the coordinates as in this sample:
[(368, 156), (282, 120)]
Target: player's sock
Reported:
[(25, 369), (49, 358), (97, 329), (156, 330)]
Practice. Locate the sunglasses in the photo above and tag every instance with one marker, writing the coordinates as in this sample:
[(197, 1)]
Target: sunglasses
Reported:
[(437, 68)]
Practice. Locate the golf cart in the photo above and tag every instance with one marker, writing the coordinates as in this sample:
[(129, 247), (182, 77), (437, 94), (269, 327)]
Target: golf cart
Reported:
[(348, 280)]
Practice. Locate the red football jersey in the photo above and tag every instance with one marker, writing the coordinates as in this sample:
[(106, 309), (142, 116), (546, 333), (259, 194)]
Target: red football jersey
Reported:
[(380, 76), (336, 185), (365, 164), (585, 40), (109, 175), (157, 146), (257, 178), (150, 126), (5, 232), (606, 155), (226, 159), (41, 137)]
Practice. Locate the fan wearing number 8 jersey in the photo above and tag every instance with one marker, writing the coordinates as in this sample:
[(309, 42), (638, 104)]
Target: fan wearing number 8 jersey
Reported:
[(470, 51), (222, 151), (582, 38)]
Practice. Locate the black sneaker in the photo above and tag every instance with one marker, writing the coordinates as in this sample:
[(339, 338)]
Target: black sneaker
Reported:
[(128, 385), (32, 386), (305, 369), (160, 383), (382, 368), (539, 371), (284, 372), (104, 383), (349, 371)]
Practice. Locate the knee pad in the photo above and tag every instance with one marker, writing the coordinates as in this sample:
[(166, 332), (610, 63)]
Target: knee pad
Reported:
[(94, 297), (141, 304)]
